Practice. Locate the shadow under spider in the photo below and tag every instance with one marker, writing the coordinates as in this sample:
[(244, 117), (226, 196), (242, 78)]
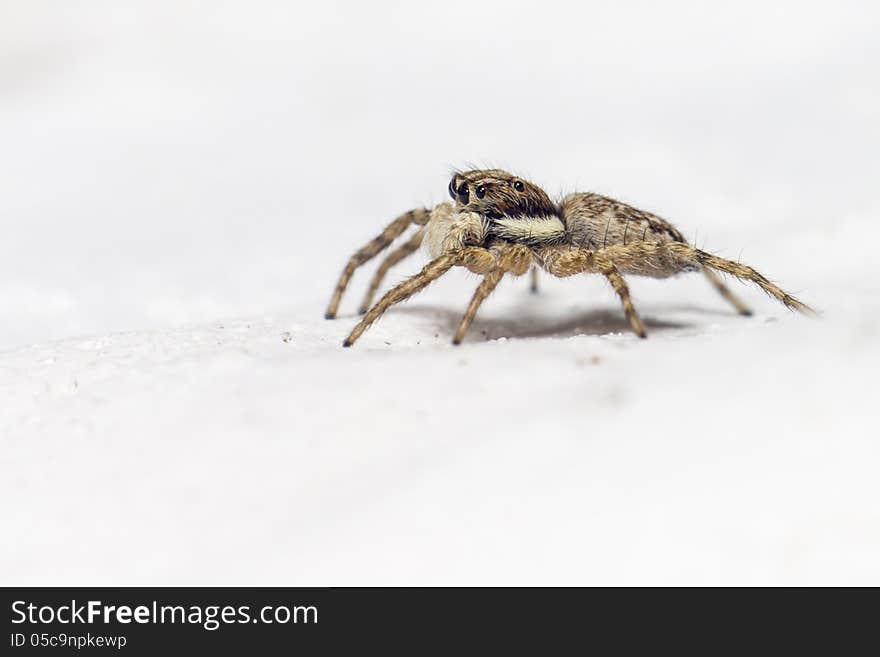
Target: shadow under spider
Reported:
[(593, 322)]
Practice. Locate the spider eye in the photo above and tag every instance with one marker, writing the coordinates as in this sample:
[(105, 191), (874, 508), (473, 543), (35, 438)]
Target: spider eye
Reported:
[(462, 192), (480, 191), (517, 185)]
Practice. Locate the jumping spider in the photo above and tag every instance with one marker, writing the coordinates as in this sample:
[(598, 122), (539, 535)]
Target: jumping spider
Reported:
[(500, 224)]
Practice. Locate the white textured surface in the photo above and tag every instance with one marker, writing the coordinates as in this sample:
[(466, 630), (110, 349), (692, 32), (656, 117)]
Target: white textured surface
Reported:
[(178, 191)]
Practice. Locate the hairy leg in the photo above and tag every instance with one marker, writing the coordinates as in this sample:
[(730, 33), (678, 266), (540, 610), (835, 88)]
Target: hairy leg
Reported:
[(372, 248), (401, 252), (563, 263), (613, 275), (641, 252), (568, 262), (433, 270), (514, 259), (725, 292)]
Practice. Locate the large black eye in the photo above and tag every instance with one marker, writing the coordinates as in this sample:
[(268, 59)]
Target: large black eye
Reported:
[(517, 185), (452, 188), (463, 194), (480, 191)]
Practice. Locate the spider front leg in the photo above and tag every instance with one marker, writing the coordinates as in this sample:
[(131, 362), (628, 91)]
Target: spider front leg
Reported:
[(406, 249), (514, 259), (375, 246), (639, 253), (474, 258)]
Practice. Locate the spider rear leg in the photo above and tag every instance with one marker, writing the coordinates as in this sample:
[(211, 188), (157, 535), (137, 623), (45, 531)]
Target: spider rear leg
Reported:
[(373, 248), (404, 250), (515, 260), (642, 253), (725, 292), (746, 273), (471, 257)]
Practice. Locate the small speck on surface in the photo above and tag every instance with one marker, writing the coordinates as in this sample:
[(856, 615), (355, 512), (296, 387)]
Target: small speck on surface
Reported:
[(286, 337)]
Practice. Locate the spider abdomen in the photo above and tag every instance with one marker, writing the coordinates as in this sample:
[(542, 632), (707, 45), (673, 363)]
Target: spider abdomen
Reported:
[(597, 222)]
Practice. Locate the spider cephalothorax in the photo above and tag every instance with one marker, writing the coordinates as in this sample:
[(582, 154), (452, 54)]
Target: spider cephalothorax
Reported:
[(496, 193), (512, 208), (502, 224)]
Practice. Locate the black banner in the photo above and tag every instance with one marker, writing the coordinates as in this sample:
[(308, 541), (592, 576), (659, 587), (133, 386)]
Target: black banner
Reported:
[(136, 621)]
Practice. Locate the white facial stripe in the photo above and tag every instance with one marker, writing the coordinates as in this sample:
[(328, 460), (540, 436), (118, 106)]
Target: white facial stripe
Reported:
[(529, 229)]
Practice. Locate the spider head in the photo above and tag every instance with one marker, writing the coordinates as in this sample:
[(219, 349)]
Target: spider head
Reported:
[(495, 193)]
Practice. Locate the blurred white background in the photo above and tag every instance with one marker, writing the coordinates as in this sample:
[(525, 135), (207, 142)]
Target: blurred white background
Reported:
[(195, 174)]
